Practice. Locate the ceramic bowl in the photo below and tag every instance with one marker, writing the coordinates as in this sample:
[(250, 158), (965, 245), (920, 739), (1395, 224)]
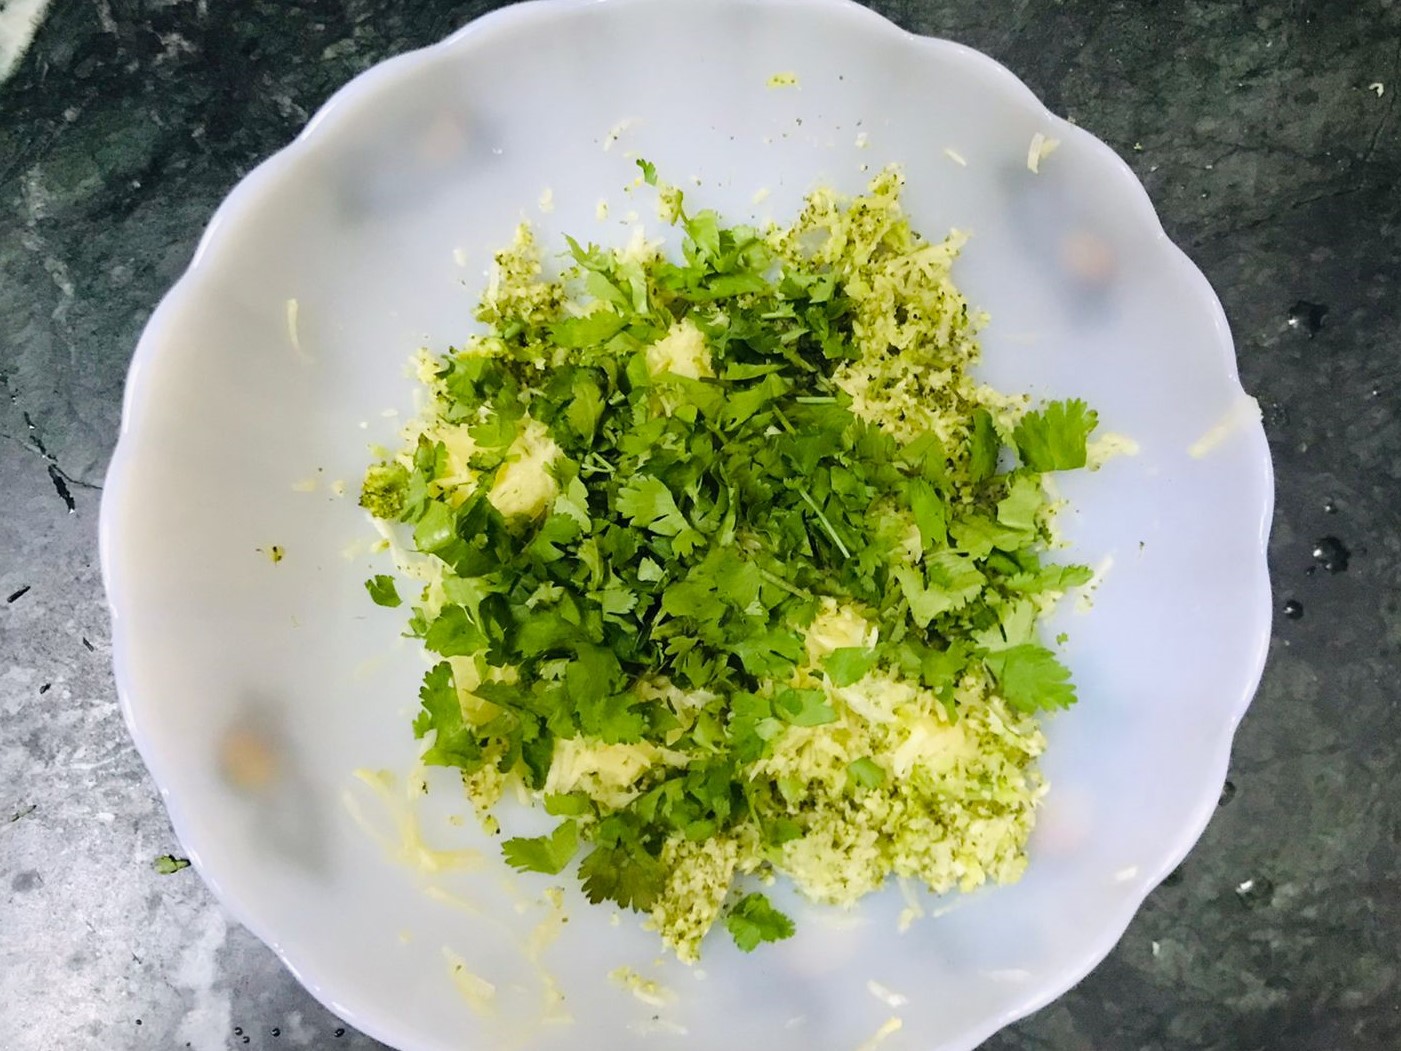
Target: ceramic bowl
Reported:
[(256, 685)]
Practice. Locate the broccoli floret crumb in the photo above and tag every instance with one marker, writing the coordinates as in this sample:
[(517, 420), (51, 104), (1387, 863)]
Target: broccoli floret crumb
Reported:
[(384, 490)]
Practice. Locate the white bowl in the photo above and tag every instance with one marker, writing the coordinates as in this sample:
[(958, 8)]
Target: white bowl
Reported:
[(365, 222)]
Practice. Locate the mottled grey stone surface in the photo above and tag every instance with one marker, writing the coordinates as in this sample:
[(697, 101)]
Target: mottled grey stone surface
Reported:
[(1273, 161)]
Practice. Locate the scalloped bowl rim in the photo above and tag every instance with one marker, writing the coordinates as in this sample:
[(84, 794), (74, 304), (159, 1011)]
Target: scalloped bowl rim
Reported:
[(245, 198)]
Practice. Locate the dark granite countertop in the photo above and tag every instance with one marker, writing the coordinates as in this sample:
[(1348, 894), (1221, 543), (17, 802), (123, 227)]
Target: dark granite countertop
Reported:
[(1267, 134)]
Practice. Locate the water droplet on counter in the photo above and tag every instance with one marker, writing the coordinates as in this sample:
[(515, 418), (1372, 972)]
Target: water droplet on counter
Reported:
[(1329, 507), (1293, 609), (1330, 553), (1276, 415), (1255, 893), (1307, 316), (1228, 792)]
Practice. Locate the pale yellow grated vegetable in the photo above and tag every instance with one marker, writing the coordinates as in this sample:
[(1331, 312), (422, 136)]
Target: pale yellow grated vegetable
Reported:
[(648, 990), (479, 993)]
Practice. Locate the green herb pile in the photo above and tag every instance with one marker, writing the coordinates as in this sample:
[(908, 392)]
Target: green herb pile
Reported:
[(735, 568)]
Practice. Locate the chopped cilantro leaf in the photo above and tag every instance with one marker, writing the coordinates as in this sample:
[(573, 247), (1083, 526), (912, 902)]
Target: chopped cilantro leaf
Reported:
[(454, 744), (804, 707), (548, 854), (436, 529), (950, 582), (849, 663), (1054, 439), (453, 634), (610, 717), (569, 804), (754, 920), (585, 408), (647, 502), (770, 653), (931, 514), (591, 330), (983, 446), (978, 535), (752, 725), (1016, 624), (382, 590), (1029, 677), (1025, 497), (1050, 578), (628, 876), (704, 232), (865, 772)]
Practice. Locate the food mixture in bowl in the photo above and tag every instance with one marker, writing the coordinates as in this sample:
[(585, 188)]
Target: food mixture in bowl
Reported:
[(727, 561)]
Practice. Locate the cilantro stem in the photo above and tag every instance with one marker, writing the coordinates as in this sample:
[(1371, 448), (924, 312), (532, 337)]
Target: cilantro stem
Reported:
[(598, 463), (815, 399), (783, 420), (783, 585), (822, 520)]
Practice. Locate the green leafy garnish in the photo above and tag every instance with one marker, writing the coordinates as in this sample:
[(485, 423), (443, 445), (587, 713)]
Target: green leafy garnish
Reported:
[(629, 877), (728, 563), (1030, 677), (548, 854), (454, 742), (382, 590), (847, 664), (754, 920), (1055, 438), (865, 772), (949, 583)]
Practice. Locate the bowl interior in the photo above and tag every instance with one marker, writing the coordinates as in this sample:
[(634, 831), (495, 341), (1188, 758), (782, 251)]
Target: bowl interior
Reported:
[(280, 358)]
